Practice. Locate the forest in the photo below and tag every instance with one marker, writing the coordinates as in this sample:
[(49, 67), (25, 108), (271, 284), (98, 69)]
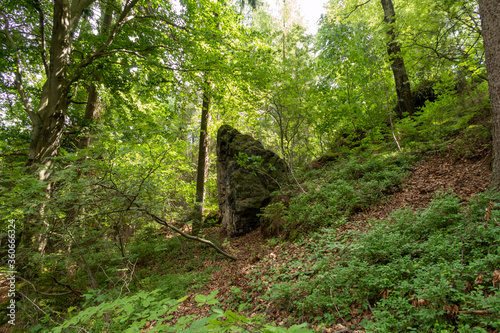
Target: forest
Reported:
[(134, 135)]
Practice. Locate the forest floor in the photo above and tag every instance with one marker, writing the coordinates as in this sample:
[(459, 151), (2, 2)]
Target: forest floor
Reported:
[(440, 172), (433, 173)]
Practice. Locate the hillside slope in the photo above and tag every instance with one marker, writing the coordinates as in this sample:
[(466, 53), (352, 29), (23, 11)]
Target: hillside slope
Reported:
[(236, 281)]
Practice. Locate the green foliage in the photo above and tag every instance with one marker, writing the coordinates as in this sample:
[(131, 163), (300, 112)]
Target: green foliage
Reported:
[(249, 162), (149, 309), (417, 271), (452, 113), (127, 314), (335, 193)]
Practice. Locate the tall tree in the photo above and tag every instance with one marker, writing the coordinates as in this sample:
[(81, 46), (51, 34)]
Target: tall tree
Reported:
[(50, 67), (490, 21), (403, 89), (203, 155)]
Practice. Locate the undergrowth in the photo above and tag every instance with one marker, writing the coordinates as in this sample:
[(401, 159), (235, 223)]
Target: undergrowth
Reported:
[(431, 270), (334, 193), (130, 314)]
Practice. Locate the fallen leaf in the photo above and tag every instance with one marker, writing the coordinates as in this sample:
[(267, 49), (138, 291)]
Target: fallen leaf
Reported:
[(451, 309), (496, 278)]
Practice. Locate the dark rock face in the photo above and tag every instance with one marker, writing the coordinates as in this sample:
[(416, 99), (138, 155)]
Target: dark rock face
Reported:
[(245, 189)]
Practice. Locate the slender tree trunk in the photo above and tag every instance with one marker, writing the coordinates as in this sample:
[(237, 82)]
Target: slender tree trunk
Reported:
[(203, 157), (91, 116), (490, 21), (92, 113), (403, 90)]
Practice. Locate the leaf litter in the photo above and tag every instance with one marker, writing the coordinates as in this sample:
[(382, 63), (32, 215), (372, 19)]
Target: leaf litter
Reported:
[(465, 177)]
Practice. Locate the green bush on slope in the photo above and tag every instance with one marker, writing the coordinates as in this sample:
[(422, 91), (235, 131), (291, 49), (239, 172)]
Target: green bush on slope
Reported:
[(432, 270), (336, 191)]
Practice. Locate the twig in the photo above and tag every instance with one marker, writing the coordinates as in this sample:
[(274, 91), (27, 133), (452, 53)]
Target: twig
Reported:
[(38, 308), (74, 291), (347, 329), (293, 176), (114, 285), (356, 7), (42, 293), (369, 306)]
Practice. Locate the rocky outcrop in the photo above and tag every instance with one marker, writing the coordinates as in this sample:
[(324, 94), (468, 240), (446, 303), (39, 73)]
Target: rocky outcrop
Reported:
[(247, 174)]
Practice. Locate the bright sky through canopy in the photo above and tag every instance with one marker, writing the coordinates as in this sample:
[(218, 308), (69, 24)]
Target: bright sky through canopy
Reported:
[(312, 10)]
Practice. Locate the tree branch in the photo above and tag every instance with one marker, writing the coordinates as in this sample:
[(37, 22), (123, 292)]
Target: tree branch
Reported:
[(43, 52), (198, 239), (163, 222), (356, 7), (124, 18), (77, 8), (35, 119), (42, 293)]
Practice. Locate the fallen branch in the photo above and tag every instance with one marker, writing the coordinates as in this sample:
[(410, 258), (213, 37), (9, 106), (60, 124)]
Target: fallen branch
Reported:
[(74, 291), (477, 312), (183, 234), (42, 293), (162, 221)]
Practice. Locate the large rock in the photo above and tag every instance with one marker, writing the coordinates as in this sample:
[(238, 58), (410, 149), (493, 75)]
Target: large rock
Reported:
[(244, 190)]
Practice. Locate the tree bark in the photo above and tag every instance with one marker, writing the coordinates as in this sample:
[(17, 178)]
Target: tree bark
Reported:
[(55, 98), (92, 112), (203, 157), (403, 90), (490, 22)]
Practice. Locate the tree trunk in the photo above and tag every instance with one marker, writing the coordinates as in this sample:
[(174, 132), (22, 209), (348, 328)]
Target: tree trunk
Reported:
[(92, 112), (490, 22), (403, 89), (48, 121), (55, 100), (203, 157)]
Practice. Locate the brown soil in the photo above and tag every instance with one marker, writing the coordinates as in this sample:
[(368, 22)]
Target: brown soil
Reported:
[(432, 174)]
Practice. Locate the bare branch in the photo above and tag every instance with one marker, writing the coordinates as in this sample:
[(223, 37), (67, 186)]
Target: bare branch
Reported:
[(163, 222), (42, 293), (355, 8), (198, 239)]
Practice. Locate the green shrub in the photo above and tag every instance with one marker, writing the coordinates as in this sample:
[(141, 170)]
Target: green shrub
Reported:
[(434, 256), (335, 193), (422, 271), (133, 313)]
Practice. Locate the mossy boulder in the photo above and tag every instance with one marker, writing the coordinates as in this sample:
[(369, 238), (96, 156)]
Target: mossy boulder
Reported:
[(247, 174)]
